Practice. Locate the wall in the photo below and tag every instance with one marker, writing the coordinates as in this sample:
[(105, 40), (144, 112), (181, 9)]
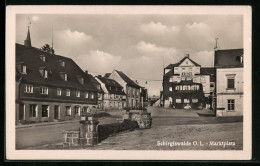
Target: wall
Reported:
[(222, 80), (222, 103), (50, 118), (223, 94)]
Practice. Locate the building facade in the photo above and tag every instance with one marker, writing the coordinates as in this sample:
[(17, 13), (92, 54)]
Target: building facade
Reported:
[(131, 88), (50, 87), (229, 82), (100, 92), (187, 70), (114, 95)]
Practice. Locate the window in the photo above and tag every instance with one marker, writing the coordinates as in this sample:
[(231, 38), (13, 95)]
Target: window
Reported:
[(68, 111), (180, 87), (177, 88), (67, 92), (230, 83), (231, 104), (33, 110), (171, 79), (58, 92), (42, 57), (45, 74), (212, 85), (23, 69), (195, 100), (92, 95), (98, 87), (28, 88), (44, 90), (178, 100), (62, 63), (77, 93), (65, 77), (170, 88), (204, 88), (86, 95), (45, 111), (186, 101)]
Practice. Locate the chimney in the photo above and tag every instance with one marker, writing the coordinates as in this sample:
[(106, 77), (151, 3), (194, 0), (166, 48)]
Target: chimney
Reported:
[(188, 55), (99, 76), (86, 71)]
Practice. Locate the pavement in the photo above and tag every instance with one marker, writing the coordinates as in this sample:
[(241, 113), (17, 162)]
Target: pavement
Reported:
[(38, 134)]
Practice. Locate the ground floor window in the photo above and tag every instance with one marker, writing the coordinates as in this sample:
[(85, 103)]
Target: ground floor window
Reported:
[(33, 110), (194, 100), (186, 101), (178, 100), (77, 110), (231, 104), (45, 111), (68, 111)]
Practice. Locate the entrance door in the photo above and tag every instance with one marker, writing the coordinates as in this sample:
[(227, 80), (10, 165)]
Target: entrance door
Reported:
[(21, 112), (56, 111)]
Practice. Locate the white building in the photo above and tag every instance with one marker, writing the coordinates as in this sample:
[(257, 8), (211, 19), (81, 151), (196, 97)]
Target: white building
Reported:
[(187, 70), (229, 82)]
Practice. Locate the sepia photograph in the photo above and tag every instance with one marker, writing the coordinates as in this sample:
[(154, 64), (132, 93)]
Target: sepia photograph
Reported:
[(122, 82)]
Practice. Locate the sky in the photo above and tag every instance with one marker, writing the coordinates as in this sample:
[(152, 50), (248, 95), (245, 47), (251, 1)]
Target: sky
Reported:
[(138, 45)]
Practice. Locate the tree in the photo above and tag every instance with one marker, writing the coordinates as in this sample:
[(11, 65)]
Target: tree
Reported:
[(47, 48)]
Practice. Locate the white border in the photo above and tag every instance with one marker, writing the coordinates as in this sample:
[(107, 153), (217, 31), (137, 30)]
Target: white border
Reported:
[(13, 154)]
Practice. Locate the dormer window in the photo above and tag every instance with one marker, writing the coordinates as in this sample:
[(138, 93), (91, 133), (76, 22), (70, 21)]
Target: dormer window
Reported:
[(64, 76), (44, 72), (42, 57), (62, 63), (21, 68), (80, 79)]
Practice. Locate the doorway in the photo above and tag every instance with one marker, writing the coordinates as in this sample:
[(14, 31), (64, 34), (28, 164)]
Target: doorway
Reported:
[(21, 112), (56, 111)]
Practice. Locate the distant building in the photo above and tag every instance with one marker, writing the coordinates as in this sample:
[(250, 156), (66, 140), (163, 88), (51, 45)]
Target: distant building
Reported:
[(130, 87), (50, 87), (187, 70), (100, 94), (229, 82), (114, 96)]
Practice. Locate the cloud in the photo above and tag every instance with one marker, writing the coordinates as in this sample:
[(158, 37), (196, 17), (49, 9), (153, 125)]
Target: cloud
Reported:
[(158, 28), (75, 36), (35, 18), (98, 61), (207, 57), (149, 49)]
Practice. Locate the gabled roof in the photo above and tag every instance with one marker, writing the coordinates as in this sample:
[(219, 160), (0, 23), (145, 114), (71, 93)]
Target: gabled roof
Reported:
[(94, 81), (112, 83), (109, 82), (31, 58), (107, 75), (127, 79), (228, 58), (170, 66)]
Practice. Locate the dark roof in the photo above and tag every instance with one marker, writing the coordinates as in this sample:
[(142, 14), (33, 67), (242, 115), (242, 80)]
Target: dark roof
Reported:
[(169, 73), (127, 79), (107, 75), (170, 66), (31, 58), (94, 81), (228, 58), (208, 71), (109, 82), (112, 83)]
